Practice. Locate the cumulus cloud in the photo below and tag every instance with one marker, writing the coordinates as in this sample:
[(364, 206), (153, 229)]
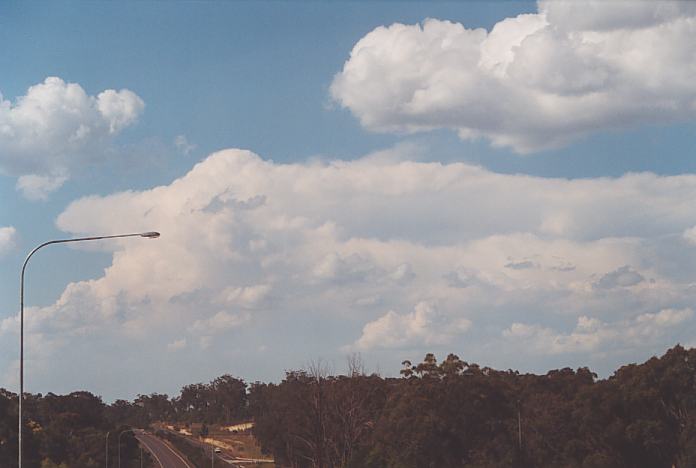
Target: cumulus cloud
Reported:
[(591, 334), (666, 317), (317, 258), (423, 326), (8, 239), (532, 82), (35, 187), (56, 126)]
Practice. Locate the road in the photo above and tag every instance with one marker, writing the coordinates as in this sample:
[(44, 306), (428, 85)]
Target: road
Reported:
[(207, 449), (162, 452), (221, 459)]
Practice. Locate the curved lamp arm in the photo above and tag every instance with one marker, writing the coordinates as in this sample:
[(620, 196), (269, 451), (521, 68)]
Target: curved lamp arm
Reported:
[(149, 235), (118, 444)]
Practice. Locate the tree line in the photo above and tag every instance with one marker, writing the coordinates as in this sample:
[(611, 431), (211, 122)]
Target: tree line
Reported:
[(458, 414), (70, 431), (65, 431), (436, 414)]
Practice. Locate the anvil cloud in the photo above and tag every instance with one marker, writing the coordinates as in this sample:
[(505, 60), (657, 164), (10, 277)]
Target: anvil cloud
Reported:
[(385, 255)]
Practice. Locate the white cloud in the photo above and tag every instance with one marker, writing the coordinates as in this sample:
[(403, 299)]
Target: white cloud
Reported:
[(690, 235), (545, 340), (177, 345), (56, 126), (599, 15), (344, 269), (219, 323), (119, 108), (402, 274), (535, 81), (8, 239), (183, 145), (246, 297), (422, 327), (35, 187), (590, 334), (666, 317), (319, 257)]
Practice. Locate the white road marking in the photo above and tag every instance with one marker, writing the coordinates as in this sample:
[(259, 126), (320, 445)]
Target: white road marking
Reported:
[(166, 444), (152, 452), (175, 453)]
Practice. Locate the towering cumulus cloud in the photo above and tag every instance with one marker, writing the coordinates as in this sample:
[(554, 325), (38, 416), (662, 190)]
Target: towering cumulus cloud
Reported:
[(56, 126), (377, 255), (8, 235), (535, 81)]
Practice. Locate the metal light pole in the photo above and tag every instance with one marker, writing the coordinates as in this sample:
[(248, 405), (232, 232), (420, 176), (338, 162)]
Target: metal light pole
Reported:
[(107, 449), (119, 444), (519, 423), (150, 235)]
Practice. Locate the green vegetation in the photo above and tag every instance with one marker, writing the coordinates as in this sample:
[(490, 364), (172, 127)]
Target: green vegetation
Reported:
[(64, 431), (456, 414), (194, 454), (242, 444), (447, 414)]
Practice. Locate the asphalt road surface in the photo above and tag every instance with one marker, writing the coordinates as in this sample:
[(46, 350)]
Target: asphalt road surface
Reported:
[(162, 452)]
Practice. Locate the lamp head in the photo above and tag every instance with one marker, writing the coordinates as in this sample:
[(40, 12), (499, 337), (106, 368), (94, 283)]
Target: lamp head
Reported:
[(150, 235)]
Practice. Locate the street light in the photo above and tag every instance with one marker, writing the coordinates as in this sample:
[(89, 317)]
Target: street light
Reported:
[(149, 235), (106, 453), (119, 444)]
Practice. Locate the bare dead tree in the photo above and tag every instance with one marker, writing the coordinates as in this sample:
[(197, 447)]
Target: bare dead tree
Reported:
[(356, 365), (318, 371)]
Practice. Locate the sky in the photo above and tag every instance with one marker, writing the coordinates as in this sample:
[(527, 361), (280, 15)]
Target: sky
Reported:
[(508, 181)]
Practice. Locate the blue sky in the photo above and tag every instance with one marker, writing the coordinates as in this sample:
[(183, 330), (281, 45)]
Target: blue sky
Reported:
[(224, 74), (366, 177)]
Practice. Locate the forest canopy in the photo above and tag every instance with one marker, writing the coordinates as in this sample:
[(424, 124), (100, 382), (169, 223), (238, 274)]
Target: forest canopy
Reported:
[(448, 413)]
